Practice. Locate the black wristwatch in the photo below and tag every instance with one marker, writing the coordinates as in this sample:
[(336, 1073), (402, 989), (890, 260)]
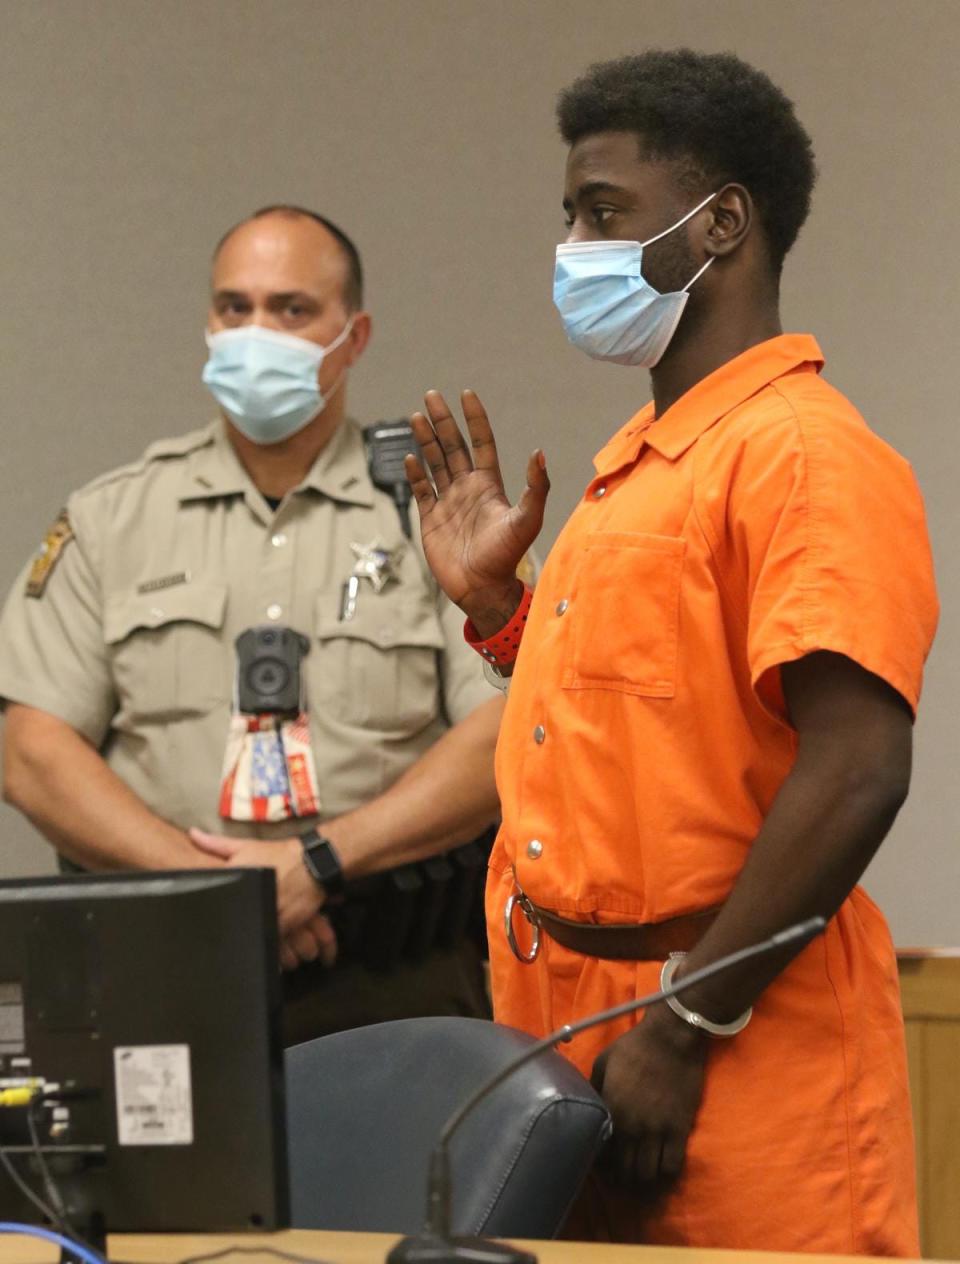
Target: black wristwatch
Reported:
[(322, 862)]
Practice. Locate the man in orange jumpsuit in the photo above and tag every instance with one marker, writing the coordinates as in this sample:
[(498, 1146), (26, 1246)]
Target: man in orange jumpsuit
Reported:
[(708, 732)]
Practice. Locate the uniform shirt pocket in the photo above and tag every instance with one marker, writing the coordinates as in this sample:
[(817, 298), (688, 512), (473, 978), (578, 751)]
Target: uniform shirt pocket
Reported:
[(166, 652), (626, 612), (380, 669)]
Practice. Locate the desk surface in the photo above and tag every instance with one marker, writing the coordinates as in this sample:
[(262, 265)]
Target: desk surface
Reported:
[(371, 1248)]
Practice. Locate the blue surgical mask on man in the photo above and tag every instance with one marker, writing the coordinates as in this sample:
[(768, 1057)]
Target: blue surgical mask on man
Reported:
[(266, 381), (608, 309)]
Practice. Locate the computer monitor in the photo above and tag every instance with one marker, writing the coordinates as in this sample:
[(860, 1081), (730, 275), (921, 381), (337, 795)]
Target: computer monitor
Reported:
[(148, 1007)]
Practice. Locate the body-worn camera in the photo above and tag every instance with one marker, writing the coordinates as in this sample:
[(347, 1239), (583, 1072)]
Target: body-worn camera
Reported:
[(268, 670)]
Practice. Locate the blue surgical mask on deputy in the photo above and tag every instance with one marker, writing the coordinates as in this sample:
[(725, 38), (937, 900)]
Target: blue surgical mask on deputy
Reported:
[(607, 307), (266, 381)]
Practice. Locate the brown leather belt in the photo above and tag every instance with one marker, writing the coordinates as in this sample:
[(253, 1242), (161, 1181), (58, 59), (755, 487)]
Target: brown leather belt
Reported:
[(649, 941)]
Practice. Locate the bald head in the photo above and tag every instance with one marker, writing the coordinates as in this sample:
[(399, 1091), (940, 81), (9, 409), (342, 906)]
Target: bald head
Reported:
[(284, 270), (311, 227)]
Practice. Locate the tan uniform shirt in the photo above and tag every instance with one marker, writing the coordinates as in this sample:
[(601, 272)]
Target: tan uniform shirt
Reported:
[(132, 639)]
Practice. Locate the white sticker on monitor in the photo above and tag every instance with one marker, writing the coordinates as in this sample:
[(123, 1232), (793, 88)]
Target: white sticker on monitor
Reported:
[(154, 1097)]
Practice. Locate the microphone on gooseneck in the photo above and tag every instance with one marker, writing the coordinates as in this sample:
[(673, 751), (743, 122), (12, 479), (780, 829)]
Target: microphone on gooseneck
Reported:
[(436, 1245)]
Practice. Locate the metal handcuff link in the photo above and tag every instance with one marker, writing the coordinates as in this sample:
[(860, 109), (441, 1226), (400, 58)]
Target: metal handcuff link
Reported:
[(518, 899)]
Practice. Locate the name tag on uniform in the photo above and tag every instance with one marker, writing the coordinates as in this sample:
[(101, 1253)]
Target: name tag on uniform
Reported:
[(165, 581)]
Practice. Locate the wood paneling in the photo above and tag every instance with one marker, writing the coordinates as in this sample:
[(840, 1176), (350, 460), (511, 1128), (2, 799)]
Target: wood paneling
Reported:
[(930, 987)]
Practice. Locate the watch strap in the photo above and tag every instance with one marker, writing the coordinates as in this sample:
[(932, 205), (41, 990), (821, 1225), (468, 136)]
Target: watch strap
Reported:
[(322, 862)]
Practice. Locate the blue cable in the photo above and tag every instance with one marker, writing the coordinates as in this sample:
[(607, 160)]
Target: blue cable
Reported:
[(85, 1253)]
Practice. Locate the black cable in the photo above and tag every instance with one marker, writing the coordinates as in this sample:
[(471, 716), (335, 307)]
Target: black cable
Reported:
[(253, 1250), (50, 1187), (24, 1188)]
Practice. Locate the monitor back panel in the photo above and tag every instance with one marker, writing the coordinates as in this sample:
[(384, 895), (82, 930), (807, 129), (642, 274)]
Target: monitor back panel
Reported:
[(156, 999)]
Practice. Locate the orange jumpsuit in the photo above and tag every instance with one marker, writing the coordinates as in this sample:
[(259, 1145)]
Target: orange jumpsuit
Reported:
[(756, 521)]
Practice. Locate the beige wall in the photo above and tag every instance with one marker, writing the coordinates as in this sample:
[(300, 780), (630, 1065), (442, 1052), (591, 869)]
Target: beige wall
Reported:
[(134, 131)]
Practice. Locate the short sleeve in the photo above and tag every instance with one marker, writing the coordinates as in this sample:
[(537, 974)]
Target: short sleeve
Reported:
[(52, 652), (830, 523)]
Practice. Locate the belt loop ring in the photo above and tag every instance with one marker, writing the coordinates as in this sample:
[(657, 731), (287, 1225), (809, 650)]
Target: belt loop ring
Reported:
[(518, 899)]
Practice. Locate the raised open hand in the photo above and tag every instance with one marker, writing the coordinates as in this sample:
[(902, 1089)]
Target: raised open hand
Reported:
[(473, 537)]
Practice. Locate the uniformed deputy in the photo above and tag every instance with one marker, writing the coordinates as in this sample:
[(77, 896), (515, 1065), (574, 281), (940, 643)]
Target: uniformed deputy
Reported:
[(125, 744)]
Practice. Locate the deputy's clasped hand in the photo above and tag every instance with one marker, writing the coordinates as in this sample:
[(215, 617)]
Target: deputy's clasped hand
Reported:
[(305, 933)]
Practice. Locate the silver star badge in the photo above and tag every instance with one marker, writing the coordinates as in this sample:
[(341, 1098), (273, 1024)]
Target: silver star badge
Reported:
[(376, 564)]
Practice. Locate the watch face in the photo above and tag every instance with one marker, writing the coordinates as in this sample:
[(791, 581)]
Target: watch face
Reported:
[(322, 861), (322, 858)]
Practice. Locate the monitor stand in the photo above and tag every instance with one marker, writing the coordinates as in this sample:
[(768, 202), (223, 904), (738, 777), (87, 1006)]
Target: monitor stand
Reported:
[(91, 1232)]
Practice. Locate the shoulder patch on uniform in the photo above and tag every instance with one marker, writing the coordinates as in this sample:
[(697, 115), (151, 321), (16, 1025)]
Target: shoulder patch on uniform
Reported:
[(55, 541), (159, 450)]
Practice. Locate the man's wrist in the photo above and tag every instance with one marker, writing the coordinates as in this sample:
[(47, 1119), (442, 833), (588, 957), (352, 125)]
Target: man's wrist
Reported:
[(500, 650), (701, 1001), (491, 610), (672, 1029)]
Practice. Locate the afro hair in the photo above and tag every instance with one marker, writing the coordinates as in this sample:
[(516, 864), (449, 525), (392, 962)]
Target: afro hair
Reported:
[(720, 119)]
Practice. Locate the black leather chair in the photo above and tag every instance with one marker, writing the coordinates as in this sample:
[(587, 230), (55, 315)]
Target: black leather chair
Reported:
[(365, 1108)]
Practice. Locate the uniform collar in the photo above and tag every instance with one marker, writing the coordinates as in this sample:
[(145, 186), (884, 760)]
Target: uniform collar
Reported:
[(339, 472), (215, 469), (710, 399)]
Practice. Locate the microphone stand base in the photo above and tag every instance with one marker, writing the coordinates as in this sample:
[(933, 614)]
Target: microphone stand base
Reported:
[(429, 1249)]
